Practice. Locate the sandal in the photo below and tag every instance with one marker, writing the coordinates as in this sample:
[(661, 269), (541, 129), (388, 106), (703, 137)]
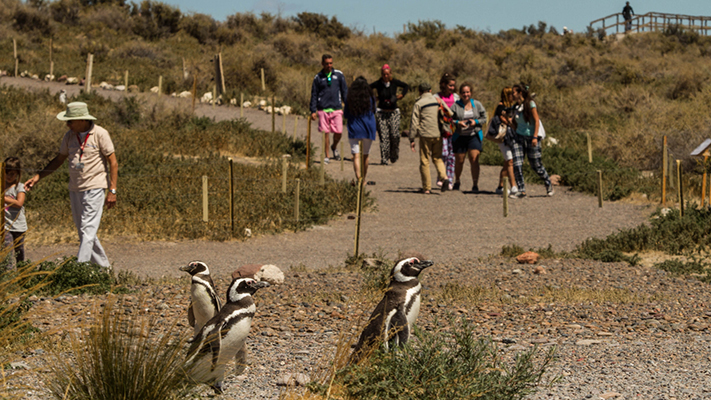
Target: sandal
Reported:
[(423, 191)]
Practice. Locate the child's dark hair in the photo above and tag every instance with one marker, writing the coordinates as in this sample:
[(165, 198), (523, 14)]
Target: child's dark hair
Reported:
[(360, 98), (527, 109), (445, 79), (13, 164)]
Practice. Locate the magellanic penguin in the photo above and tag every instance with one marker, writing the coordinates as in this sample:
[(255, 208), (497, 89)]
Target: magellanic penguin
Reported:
[(220, 339), (392, 320), (204, 303)]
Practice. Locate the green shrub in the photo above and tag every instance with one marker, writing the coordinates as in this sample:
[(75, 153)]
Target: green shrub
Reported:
[(511, 250), (453, 365), (122, 356), (697, 265), (70, 276)]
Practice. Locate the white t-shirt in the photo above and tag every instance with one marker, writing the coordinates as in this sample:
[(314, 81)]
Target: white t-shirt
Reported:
[(15, 217)]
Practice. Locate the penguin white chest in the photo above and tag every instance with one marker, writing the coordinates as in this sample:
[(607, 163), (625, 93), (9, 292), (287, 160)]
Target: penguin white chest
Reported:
[(234, 339), (412, 304), (203, 306)]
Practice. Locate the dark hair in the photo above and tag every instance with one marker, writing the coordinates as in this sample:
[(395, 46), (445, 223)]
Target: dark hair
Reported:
[(444, 80), (465, 84), (325, 57), (360, 98), (527, 110), (13, 164)]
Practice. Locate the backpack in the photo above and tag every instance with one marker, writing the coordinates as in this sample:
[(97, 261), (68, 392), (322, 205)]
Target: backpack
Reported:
[(445, 122)]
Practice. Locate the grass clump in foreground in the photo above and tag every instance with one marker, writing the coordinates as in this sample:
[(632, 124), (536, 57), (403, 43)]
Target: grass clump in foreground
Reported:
[(122, 356), (442, 365)]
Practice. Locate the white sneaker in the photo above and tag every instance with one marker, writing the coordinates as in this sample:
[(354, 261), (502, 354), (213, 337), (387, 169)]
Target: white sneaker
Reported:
[(513, 189), (550, 191), (325, 160)]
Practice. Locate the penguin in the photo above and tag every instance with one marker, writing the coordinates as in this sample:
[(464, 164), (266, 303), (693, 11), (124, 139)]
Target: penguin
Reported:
[(392, 320), (63, 96), (204, 303), (223, 335)]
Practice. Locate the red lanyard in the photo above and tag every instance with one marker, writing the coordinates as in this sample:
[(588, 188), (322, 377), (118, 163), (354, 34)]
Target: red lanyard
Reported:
[(81, 146)]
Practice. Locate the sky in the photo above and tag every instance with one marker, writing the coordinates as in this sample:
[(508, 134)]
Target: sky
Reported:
[(388, 16)]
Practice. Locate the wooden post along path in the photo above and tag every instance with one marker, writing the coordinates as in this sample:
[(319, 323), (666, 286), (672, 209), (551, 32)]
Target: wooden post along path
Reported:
[(284, 170), (308, 142), (232, 197), (204, 198), (680, 193), (296, 199), (665, 170), (125, 79), (89, 67), (264, 85), (599, 188)]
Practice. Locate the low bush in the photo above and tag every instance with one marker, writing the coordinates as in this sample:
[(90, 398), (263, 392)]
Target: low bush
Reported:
[(445, 365), (122, 356)]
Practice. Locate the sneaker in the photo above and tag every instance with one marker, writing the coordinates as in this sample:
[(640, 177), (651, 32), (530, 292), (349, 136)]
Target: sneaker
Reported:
[(445, 185), (325, 160), (456, 186), (513, 189), (475, 189), (499, 190), (336, 154), (517, 195), (550, 191)]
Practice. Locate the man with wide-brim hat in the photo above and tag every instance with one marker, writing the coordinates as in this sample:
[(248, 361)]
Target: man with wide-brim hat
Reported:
[(93, 169)]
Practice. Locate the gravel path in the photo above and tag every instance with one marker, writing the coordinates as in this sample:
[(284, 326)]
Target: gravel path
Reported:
[(450, 227)]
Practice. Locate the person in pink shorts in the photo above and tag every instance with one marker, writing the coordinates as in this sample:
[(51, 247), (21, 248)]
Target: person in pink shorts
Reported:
[(328, 92)]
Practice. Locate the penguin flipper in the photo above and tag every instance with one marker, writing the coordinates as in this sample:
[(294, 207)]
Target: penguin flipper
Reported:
[(398, 330), (214, 340), (191, 314)]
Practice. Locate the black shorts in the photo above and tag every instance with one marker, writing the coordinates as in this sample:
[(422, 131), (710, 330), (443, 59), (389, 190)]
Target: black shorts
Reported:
[(464, 144)]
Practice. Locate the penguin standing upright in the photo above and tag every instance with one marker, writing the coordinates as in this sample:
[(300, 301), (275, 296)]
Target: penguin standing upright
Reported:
[(392, 320), (204, 303), (225, 334)]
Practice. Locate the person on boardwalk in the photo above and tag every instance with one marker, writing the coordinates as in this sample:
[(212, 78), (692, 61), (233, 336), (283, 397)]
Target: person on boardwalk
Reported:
[(447, 93), (526, 144), (627, 13), (360, 113), (424, 125), (388, 115), (504, 110), (93, 168), (469, 117), (328, 92), (15, 223)]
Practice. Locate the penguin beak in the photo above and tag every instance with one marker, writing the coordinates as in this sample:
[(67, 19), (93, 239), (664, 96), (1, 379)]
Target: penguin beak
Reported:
[(424, 264), (185, 268), (260, 284)]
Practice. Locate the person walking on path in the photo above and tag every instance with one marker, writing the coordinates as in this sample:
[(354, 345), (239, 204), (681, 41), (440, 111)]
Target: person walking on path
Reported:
[(504, 111), (424, 124), (627, 13), (93, 168), (388, 115), (15, 222), (448, 95), (328, 92), (360, 113), (469, 117), (526, 143)]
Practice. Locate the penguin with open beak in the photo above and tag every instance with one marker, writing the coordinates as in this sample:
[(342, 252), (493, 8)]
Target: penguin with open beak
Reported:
[(223, 335)]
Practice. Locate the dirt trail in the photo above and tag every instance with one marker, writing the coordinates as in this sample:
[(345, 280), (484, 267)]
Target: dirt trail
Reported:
[(451, 226)]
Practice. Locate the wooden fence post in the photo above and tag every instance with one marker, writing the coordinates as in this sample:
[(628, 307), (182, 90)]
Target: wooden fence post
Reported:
[(194, 90), (89, 67), (264, 85), (125, 79), (273, 113), (506, 197), (665, 170), (14, 55), (51, 60), (296, 124), (589, 148), (308, 142), (222, 74), (680, 192), (160, 85), (241, 106), (214, 96), (284, 170), (599, 188), (703, 184), (232, 198), (296, 196), (204, 198)]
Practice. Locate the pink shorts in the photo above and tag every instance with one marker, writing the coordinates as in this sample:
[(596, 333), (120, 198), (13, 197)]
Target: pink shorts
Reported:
[(331, 122)]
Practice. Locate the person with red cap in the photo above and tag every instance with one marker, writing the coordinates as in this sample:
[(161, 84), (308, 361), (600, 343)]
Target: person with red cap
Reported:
[(387, 114)]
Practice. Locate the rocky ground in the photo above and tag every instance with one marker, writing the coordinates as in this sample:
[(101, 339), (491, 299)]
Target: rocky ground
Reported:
[(620, 331)]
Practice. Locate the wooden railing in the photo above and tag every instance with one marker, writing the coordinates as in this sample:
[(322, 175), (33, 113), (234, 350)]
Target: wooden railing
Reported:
[(653, 21)]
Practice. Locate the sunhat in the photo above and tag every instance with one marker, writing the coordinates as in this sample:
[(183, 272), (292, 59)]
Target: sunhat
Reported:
[(76, 110)]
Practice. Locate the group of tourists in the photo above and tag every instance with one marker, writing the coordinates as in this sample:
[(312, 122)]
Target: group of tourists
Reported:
[(450, 124)]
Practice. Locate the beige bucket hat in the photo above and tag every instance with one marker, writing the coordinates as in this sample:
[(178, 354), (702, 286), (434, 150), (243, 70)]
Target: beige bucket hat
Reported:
[(76, 110)]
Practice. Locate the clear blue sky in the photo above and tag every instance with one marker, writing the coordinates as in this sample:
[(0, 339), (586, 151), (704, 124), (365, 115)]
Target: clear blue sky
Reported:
[(485, 15)]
